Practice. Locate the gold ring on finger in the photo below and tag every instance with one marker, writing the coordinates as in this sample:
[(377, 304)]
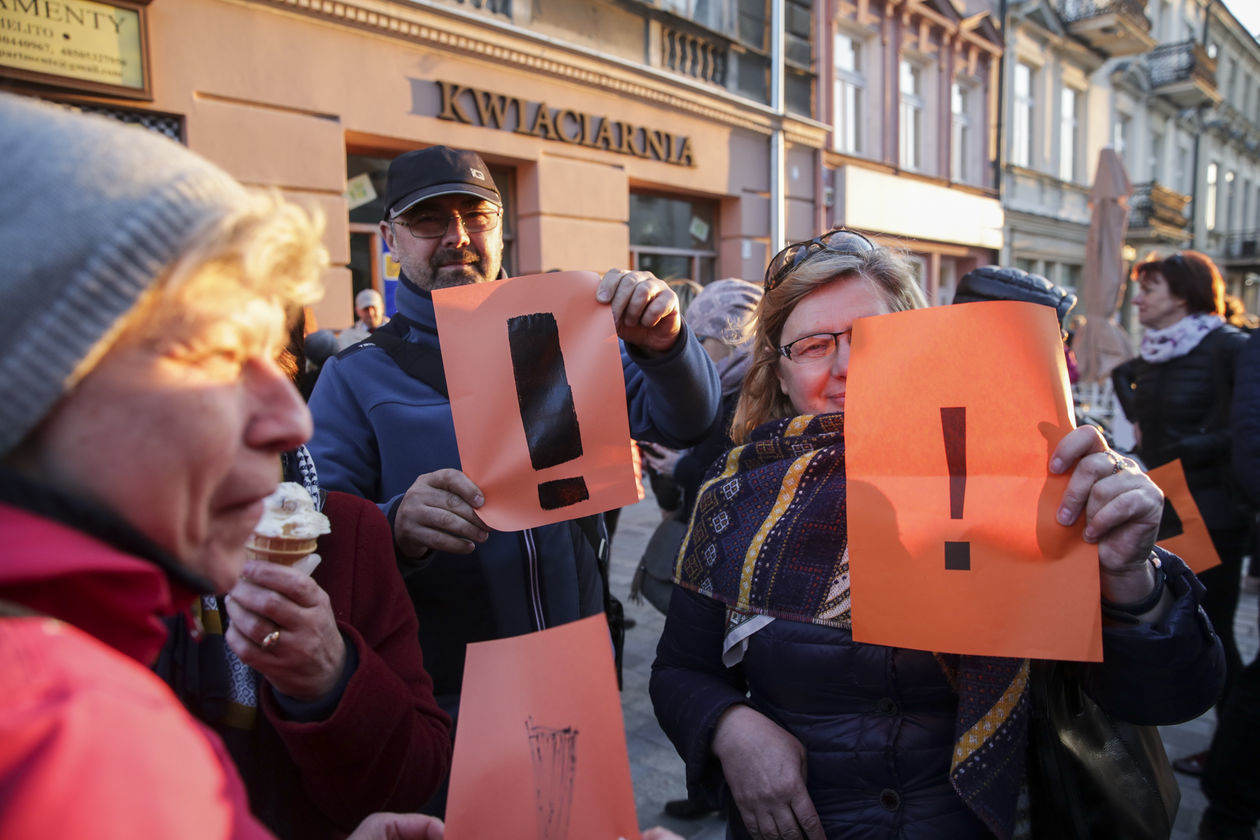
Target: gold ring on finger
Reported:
[(270, 640)]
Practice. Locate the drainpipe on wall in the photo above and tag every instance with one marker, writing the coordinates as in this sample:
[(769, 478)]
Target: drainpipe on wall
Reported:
[(823, 15), (999, 154), (778, 146), (1198, 140)]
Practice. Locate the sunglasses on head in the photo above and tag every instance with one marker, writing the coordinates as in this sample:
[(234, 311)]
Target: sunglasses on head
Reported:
[(836, 241)]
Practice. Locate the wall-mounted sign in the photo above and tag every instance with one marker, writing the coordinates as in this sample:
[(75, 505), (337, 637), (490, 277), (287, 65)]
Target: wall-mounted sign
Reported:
[(82, 44), (472, 106)]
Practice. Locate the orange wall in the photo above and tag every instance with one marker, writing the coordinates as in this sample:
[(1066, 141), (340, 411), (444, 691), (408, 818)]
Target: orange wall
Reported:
[(271, 95)]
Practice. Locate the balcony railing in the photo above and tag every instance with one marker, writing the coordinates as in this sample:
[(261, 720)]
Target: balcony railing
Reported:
[(495, 7), (1183, 73), (1113, 27), (1154, 205), (1242, 245), (694, 55)]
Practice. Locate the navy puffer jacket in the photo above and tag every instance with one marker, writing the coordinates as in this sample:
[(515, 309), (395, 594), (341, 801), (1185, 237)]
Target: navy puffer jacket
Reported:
[(877, 722), (1182, 407), (1246, 419)]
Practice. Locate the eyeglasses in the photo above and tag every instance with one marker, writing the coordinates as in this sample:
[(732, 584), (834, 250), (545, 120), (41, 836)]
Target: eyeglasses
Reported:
[(813, 348), (434, 224), (836, 241)]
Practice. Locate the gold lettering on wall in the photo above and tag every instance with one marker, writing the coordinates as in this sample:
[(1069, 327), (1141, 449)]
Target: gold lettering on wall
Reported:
[(473, 106)]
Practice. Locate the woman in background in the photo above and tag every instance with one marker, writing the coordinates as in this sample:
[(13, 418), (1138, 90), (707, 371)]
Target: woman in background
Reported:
[(1178, 393)]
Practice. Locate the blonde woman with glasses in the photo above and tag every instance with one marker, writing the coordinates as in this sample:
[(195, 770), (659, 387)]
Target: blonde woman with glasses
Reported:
[(804, 732)]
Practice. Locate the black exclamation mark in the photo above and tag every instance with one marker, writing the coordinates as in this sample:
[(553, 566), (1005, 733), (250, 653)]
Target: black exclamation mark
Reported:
[(954, 425), (546, 401)]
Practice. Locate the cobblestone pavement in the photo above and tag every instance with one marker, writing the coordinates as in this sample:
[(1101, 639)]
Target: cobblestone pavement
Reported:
[(658, 771)]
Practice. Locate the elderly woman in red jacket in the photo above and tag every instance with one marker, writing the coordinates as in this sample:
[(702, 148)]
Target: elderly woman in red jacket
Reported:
[(142, 414)]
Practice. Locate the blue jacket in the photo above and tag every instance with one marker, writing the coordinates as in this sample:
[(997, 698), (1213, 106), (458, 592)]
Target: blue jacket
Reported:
[(377, 429), (877, 722)]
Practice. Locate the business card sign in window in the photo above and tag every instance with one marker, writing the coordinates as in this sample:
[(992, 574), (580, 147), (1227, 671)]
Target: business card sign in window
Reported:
[(99, 47)]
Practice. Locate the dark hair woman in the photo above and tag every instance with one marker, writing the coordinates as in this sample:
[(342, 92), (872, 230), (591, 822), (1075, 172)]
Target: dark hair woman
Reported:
[(1178, 393)]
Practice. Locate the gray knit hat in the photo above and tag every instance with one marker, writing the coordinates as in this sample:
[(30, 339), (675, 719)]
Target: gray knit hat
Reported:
[(91, 213), (725, 310)]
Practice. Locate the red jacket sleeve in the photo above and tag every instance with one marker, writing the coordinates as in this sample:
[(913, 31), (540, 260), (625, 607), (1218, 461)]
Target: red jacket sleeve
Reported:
[(92, 744)]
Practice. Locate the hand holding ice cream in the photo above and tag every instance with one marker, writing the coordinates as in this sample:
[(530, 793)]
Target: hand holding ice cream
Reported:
[(281, 623)]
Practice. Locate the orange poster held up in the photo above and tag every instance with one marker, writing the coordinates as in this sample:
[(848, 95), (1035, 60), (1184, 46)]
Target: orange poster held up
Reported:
[(951, 416), (540, 750), (1182, 530), (538, 397)]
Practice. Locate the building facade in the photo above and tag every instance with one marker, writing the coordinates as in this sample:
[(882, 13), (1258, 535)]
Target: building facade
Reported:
[(622, 133), (1174, 87), (910, 96)]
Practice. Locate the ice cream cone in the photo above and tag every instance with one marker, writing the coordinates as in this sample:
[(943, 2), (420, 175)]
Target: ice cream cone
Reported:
[(285, 551)]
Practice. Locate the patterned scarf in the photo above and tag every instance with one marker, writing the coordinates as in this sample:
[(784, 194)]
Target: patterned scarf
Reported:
[(768, 537), (1179, 339)]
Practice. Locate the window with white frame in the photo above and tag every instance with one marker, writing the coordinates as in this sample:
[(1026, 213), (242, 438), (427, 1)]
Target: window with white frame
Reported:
[(1120, 133), (960, 97), (850, 88), (1227, 201), (1162, 29), (1069, 102), (1210, 197), (1184, 174), (912, 105), (1024, 104), (1244, 215), (1156, 156)]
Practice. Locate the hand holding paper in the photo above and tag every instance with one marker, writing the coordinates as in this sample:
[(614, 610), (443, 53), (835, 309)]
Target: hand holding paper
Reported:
[(439, 513), (1121, 507), (538, 395), (645, 309), (953, 539)]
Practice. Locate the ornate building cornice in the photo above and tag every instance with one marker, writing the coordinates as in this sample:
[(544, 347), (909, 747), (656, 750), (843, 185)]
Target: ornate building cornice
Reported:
[(487, 39)]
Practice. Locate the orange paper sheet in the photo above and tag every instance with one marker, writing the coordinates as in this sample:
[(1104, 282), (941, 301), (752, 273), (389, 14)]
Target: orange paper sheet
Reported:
[(976, 563), (1193, 544), (540, 749), (572, 402)]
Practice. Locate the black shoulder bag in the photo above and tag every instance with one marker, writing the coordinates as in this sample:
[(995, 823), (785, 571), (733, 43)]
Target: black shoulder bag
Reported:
[(1092, 776)]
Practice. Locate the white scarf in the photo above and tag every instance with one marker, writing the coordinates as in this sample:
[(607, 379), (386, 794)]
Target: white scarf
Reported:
[(1179, 339)]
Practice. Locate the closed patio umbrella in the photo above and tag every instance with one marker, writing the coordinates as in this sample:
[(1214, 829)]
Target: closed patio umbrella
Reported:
[(1100, 343)]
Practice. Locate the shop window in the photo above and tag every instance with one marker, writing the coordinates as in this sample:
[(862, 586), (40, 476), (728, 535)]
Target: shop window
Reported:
[(673, 237), (166, 124)]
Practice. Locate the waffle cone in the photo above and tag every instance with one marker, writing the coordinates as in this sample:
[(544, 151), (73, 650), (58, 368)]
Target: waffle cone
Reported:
[(283, 550)]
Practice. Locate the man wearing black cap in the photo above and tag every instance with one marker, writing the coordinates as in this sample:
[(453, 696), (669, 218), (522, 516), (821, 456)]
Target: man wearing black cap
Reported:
[(383, 427)]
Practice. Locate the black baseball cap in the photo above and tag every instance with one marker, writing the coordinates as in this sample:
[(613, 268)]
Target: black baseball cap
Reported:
[(437, 170)]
